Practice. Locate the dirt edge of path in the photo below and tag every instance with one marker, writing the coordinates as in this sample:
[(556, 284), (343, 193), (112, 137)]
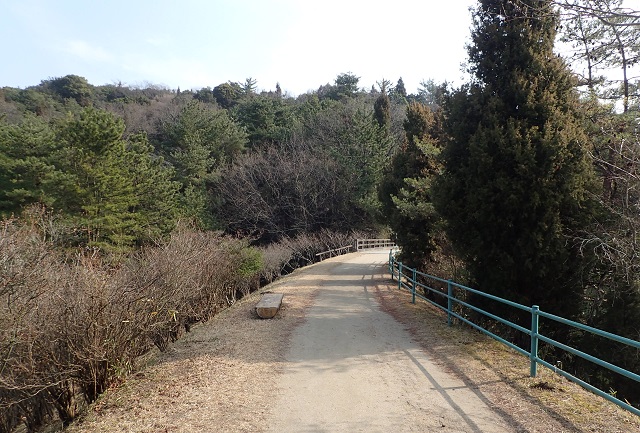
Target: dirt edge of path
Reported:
[(546, 403)]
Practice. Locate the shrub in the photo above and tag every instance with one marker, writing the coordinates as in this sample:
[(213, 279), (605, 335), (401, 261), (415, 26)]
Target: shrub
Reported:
[(71, 325), (291, 253)]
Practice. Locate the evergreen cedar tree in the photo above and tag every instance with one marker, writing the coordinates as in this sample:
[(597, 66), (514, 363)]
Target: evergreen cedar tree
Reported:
[(405, 190), (382, 111), (516, 177)]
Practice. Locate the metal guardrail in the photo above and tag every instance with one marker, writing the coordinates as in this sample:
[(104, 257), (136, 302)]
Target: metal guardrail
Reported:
[(358, 245), (408, 279), (335, 252), (364, 244)]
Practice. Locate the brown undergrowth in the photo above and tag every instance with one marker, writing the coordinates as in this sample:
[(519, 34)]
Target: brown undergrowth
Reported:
[(75, 322), (221, 377)]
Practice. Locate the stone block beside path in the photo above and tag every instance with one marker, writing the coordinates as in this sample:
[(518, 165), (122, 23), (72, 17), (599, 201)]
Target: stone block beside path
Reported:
[(269, 305)]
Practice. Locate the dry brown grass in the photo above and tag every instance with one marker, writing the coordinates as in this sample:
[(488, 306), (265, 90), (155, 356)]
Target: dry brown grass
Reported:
[(73, 325), (546, 403)]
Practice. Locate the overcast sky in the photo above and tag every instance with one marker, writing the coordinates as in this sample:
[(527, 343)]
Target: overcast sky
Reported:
[(301, 44)]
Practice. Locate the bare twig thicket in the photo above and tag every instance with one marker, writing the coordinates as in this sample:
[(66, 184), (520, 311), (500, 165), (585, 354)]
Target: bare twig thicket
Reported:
[(72, 326), (619, 16)]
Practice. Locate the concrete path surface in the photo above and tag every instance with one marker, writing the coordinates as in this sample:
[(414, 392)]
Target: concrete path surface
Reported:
[(352, 368)]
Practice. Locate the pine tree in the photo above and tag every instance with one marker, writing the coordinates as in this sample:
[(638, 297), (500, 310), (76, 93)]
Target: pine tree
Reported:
[(516, 180), (116, 192), (197, 143), (25, 167), (249, 86), (399, 92), (158, 193), (266, 120), (400, 89), (70, 87), (346, 86)]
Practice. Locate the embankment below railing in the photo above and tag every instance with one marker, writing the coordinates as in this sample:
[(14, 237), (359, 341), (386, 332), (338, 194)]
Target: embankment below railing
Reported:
[(454, 298)]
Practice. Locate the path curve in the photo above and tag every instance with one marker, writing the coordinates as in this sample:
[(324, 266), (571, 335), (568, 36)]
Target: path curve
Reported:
[(351, 367)]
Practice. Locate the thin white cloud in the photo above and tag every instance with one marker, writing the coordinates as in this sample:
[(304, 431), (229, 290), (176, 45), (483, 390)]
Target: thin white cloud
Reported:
[(87, 52)]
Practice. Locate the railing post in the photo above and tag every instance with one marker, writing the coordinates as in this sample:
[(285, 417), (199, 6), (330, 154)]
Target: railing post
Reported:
[(399, 275), (391, 263), (533, 356), (449, 301), (413, 288)]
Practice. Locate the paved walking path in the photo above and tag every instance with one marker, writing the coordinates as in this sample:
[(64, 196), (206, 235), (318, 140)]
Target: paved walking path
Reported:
[(332, 361), (352, 368)]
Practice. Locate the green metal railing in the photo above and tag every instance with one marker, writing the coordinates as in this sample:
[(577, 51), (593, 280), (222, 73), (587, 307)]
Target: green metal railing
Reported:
[(408, 279)]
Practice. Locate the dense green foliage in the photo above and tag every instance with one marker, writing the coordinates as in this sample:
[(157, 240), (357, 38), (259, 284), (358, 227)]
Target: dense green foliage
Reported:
[(113, 192), (517, 179), (382, 110), (406, 190), (25, 171), (198, 141), (268, 120), (122, 171)]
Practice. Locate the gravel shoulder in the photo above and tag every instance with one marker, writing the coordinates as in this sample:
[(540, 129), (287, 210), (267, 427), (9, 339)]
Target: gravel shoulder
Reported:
[(347, 352)]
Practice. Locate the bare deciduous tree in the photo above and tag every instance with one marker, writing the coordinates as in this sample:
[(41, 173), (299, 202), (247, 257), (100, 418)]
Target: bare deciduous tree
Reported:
[(283, 192)]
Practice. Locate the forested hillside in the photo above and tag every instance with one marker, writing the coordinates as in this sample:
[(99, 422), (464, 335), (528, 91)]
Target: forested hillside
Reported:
[(131, 213), (121, 165)]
